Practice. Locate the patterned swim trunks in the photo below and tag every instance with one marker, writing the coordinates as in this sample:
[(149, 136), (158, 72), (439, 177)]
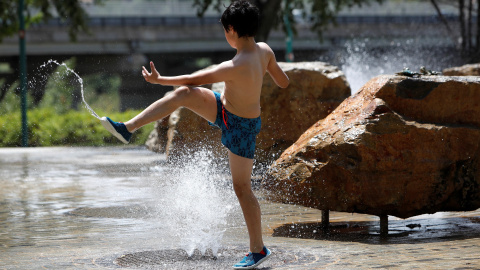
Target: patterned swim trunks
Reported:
[(238, 133)]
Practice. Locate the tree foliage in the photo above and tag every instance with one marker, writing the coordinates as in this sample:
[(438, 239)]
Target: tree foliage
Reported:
[(321, 13), (35, 11)]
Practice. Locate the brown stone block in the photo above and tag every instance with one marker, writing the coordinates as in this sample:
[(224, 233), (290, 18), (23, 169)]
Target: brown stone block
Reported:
[(400, 146)]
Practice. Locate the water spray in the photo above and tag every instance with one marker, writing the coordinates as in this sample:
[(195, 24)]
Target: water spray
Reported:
[(80, 80)]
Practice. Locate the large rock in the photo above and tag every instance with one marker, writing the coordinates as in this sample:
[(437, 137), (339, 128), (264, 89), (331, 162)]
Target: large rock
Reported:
[(400, 146), (157, 139), (315, 89), (184, 132), (190, 133), (466, 70)]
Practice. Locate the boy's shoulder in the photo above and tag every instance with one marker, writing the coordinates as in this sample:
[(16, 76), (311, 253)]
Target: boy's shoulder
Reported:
[(264, 46), (267, 51), (245, 60)]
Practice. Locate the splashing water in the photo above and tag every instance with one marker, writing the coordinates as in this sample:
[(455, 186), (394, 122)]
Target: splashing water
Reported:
[(363, 60), (195, 203), (80, 81), (194, 200)]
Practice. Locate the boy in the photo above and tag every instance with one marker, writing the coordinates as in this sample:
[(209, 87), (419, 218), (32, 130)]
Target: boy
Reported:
[(236, 111)]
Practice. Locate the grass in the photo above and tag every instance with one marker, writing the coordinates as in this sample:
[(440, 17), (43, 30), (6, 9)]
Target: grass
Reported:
[(74, 128)]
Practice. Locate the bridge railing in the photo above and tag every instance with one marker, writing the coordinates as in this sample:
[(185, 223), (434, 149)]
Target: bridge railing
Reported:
[(413, 19), (138, 21), (209, 20)]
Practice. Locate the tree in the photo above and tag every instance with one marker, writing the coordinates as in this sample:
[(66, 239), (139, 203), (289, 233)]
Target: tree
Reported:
[(321, 13), (36, 11), (469, 41)]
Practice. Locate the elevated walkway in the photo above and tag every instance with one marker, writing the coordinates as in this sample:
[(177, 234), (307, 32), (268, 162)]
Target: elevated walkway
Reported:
[(170, 26)]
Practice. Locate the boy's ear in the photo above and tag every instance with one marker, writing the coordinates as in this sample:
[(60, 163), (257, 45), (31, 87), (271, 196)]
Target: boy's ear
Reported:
[(232, 30)]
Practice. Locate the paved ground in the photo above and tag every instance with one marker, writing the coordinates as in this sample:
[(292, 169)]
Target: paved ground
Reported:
[(439, 243), (83, 213), (433, 242)]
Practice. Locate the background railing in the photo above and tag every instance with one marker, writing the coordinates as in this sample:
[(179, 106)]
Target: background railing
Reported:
[(209, 20)]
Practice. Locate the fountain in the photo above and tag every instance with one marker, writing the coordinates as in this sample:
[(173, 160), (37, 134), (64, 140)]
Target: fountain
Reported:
[(194, 203), (124, 207)]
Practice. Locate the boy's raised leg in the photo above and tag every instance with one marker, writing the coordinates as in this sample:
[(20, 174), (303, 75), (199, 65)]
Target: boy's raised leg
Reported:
[(199, 100)]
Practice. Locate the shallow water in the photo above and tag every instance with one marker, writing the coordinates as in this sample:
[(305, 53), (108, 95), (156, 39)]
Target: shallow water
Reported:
[(115, 207)]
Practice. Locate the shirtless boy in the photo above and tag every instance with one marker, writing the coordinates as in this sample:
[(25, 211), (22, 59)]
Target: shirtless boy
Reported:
[(236, 111)]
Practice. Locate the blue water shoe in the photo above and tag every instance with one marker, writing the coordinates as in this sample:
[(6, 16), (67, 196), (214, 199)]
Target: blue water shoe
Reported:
[(252, 260), (117, 129)]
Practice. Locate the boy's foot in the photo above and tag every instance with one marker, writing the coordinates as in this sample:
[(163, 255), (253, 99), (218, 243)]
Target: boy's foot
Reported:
[(117, 129), (252, 260)]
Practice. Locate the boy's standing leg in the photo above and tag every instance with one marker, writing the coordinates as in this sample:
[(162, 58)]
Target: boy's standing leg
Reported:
[(241, 169)]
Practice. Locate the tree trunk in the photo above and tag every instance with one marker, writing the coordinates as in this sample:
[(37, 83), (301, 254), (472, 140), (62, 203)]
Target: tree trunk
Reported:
[(461, 4), (478, 27), (268, 15), (444, 21), (469, 26)]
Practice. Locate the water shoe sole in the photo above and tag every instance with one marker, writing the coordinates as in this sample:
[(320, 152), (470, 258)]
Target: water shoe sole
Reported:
[(108, 126)]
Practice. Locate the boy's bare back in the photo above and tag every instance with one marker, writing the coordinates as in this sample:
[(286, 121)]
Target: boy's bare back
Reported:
[(243, 87)]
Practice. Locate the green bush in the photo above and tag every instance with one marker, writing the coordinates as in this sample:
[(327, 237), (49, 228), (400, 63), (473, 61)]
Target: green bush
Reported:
[(55, 120), (46, 127)]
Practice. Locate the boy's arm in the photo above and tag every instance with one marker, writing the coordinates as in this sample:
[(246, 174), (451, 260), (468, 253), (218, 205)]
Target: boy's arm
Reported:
[(219, 73), (277, 74)]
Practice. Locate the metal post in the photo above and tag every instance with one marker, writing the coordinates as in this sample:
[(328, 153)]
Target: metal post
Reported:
[(289, 39), (383, 225), (325, 220), (23, 73)]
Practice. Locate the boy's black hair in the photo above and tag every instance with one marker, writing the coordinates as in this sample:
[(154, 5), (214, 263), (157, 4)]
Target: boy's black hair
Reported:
[(243, 17)]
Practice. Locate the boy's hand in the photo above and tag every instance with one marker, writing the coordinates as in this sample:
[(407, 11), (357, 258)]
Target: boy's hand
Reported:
[(152, 77)]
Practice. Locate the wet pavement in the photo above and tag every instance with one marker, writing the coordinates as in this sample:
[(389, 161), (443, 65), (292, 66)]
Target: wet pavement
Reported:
[(118, 208)]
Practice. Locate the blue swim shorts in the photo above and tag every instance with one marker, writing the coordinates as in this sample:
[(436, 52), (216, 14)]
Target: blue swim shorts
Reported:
[(238, 133)]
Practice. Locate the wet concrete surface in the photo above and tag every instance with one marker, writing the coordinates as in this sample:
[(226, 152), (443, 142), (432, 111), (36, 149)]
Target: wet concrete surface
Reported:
[(96, 208), (179, 259)]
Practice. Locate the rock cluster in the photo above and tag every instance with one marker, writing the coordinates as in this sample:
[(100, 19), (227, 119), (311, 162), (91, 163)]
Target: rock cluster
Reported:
[(400, 146)]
